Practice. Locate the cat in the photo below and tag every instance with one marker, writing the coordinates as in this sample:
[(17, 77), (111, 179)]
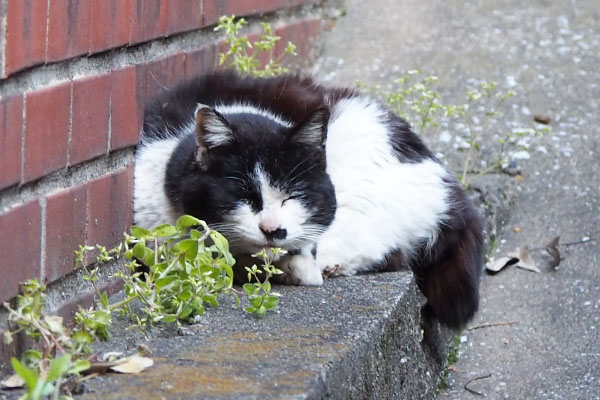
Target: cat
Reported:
[(328, 174)]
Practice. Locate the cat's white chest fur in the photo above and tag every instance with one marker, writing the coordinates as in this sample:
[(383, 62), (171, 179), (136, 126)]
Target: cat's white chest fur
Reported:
[(382, 204)]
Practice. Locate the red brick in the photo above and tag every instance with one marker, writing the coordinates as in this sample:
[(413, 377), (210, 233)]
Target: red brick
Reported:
[(20, 235), (126, 108), (213, 9), (25, 34), (293, 3), (109, 208), (46, 131), (65, 230), (68, 309), (90, 115), (68, 29), (200, 61), (304, 34), (184, 15), (11, 135), (110, 24), (164, 73), (151, 20)]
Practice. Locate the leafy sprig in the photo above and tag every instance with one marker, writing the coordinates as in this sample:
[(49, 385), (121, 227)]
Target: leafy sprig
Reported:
[(245, 56)]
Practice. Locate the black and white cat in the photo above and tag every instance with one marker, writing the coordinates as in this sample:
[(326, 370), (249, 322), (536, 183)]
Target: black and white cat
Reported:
[(328, 174)]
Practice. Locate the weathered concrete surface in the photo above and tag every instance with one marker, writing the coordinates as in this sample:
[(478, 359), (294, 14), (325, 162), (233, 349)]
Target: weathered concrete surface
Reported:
[(548, 52), (353, 338)]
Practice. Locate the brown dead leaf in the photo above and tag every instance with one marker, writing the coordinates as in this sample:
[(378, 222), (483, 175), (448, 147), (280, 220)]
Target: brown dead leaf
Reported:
[(525, 260), (542, 119), (494, 265), (14, 382), (552, 249), (133, 365)]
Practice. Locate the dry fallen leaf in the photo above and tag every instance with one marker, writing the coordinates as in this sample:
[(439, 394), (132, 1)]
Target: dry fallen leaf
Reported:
[(133, 365), (552, 249), (525, 260), (496, 265), (542, 119), (14, 382)]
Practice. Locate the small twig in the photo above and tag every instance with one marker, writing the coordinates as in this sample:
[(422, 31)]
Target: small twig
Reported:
[(585, 240), (467, 388), (582, 241), (490, 324)]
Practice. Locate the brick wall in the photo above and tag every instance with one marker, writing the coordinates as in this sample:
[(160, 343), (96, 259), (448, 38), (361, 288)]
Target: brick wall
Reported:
[(75, 75)]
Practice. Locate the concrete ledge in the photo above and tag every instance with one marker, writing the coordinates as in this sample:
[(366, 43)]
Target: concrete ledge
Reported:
[(358, 338)]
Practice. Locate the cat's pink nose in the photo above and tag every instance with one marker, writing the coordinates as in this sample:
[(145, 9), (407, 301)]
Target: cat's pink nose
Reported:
[(272, 234)]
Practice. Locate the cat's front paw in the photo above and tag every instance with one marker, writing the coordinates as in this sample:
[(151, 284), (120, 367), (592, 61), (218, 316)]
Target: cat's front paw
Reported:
[(300, 270)]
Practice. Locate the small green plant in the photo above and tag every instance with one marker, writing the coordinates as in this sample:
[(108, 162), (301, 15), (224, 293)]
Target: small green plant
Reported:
[(259, 293), (41, 370), (417, 100), (188, 266), (450, 361), (414, 99), (245, 56)]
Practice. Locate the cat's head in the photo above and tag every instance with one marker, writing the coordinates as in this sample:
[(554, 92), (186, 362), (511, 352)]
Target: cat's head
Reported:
[(259, 180)]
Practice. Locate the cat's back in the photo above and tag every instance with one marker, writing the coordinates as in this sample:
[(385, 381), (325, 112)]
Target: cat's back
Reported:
[(289, 96)]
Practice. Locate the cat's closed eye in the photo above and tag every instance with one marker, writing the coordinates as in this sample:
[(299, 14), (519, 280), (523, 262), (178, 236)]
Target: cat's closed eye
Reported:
[(292, 197)]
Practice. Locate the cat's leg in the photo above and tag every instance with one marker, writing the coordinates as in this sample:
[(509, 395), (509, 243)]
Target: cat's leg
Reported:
[(300, 269), (340, 253)]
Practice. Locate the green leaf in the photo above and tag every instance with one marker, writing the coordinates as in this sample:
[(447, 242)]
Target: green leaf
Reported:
[(139, 250), (189, 247), (163, 282), (102, 317), (267, 287), (186, 221), (164, 230), (185, 295), (55, 323), (82, 337), (270, 302), (148, 258), (210, 299), (104, 299), (222, 246), (249, 288), (256, 301), (168, 318), (186, 312), (260, 312), (140, 233), (79, 366), (250, 309), (29, 376)]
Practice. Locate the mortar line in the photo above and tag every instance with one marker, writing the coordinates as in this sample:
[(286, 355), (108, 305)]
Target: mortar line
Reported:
[(70, 126), (23, 133), (66, 178), (109, 137), (3, 22), (47, 30), (138, 54), (43, 204)]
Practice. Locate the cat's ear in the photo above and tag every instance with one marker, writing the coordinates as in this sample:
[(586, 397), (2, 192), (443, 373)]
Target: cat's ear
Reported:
[(212, 130), (313, 130)]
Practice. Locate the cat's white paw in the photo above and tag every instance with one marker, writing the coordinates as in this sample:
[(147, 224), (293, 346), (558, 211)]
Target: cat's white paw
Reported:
[(301, 270)]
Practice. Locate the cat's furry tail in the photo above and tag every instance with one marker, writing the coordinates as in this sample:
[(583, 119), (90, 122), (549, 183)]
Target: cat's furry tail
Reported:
[(450, 272)]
